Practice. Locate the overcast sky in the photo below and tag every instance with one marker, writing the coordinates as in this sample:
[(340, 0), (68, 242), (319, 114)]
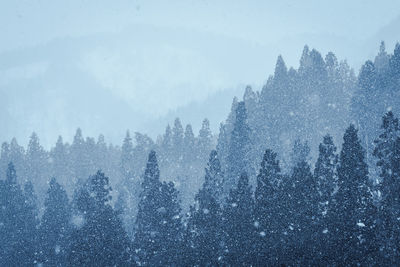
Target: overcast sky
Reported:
[(158, 56)]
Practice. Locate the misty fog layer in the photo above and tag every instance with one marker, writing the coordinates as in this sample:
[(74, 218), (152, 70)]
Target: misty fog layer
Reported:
[(328, 195), (147, 62), (199, 133)]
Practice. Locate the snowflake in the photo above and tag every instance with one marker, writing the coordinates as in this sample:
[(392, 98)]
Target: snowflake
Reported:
[(78, 221), (161, 210), (57, 249)]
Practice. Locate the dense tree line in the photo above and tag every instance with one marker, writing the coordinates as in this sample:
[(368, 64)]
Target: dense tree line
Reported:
[(256, 203), (325, 216)]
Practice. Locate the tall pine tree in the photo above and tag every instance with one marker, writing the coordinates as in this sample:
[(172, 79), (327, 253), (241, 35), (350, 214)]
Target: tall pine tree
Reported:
[(99, 237), (158, 223), (18, 221), (268, 209), (55, 227), (238, 160), (386, 154), (203, 237), (352, 209), (238, 225)]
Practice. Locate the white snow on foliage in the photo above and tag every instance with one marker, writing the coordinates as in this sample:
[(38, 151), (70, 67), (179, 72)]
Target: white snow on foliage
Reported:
[(78, 221), (57, 249)]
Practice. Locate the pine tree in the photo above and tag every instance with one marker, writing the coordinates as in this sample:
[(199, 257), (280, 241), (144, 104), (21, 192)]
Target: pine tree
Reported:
[(170, 228), (203, 235), (18, 220), (157, 236), (127, 157), (303, 202), (214, 177), (238, 225), (268, 209), (239, 148), (177, 135), (204, 141), (352, 209), (37, 163), (55, 227), (59, 163), (325, 174), (79, 158), (99, 237), (394, 65), (14, 153), (386, 153), (189, 144)]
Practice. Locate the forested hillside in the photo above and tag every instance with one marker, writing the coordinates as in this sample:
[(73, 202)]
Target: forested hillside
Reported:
[(303, 171)]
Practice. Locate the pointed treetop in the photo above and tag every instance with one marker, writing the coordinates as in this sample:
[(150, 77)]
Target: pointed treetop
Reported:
[(99, 185), (331, 60), (53, 182), (382, 48), (78, 138), (33, 142), (101, 140), (205, 132), (352, 154), (241, 113), (59, 141), (305, 58), (394, 61), (280, 69), (269, 160), (367, 77), (249, 94), (152, 172), (128, 135), (189, 131), (177, 132)]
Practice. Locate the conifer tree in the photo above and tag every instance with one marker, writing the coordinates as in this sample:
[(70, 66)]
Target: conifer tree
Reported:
[(59, 159), (239, 148), (204, 141), (127, 156), (268, 209), (352, 211), (99, 237), (325, 174), (188, 144), (55, 227), (177, 135), (386, 152), (18, 220), (37, 164), (158, 223), (303, 203), (238, 225), (203, 235)]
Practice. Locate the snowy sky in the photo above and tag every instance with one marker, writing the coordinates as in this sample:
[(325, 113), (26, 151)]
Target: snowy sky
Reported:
[(156, 56)]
